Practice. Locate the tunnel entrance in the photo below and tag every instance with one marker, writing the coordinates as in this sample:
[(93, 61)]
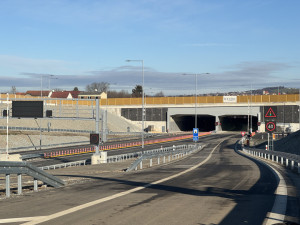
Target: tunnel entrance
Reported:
[(187, 122), (238, 123)]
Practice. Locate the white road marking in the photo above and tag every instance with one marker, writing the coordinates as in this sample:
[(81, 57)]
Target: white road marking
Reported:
[(279, 208), (278, 211), (41, 219)]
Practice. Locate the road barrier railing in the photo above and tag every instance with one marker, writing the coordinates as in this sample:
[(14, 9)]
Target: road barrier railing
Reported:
[(117, 146), (290, 161), (166, 154), (64, 165), (24, 168)]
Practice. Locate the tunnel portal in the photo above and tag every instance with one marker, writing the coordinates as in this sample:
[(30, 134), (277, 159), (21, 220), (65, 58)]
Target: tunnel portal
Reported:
[(208, 122), (187, 122), (238, 123)]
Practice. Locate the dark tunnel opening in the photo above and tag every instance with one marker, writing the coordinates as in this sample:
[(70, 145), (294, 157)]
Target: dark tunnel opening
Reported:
[(187, 122), (238, 123), (207, 122)]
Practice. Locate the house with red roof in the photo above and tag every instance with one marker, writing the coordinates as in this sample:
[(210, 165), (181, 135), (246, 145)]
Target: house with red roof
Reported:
[(38, 93), (64, 94)]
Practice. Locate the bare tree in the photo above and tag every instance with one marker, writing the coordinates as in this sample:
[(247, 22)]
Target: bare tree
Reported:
[(97, 87), (13, 90), (159, 94), (118, 94)]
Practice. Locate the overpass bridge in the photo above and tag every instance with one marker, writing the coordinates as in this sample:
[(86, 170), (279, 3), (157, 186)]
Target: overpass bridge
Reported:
[(172, 114), (219, 113)]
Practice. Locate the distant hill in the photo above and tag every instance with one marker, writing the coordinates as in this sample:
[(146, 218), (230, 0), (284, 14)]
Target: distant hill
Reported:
[(264, 91)]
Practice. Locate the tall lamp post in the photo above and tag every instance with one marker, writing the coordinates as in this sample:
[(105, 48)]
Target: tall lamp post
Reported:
[(143, 113), (53, 78), (196, 86)]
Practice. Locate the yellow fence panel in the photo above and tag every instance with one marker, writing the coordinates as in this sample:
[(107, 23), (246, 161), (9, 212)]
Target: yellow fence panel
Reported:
[(157, 100), (210, 99), (179, 100), (218, 99)]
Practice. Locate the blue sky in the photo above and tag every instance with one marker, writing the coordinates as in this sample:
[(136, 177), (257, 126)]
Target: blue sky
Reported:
[(241, 43)]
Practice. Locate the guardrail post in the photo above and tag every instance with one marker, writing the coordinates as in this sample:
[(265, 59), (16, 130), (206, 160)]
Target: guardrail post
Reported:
[(7, 185), (19, 184), (35, 185), (141, 164)]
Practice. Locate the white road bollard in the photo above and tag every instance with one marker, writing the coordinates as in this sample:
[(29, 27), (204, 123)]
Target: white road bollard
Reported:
[(277, 158), (292, 165), (281, 160), (286, 162), (141, 165), (298, 167)]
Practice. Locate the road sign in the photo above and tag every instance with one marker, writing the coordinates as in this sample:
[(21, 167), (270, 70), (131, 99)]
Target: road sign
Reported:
[(270, 126), (195, 134), (271, 112), (243, 133), (94, 139)]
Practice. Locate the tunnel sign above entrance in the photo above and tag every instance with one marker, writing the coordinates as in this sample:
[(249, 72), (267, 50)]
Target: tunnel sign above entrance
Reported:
[(195, 134)]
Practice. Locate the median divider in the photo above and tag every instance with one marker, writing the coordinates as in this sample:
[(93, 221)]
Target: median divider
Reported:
[(61, 153), (163, 155)]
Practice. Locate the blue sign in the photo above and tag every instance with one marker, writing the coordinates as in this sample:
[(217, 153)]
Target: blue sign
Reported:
[(195, 134)]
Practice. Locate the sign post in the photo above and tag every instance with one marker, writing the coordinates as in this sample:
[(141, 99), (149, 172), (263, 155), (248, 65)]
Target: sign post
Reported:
[(270, 124), (195, 134)]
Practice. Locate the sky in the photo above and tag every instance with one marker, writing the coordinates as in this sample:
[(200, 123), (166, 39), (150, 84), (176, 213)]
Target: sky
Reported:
[(63, 44)]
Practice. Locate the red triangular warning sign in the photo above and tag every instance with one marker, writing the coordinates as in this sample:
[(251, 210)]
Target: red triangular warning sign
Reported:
[(270, 113)]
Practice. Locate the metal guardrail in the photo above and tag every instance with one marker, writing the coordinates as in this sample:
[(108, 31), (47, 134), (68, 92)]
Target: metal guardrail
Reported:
[(7, 168), (64, 165), (45, 129), (172, 152), (288, 160)]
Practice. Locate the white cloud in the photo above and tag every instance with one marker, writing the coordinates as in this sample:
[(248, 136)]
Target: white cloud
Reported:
[(237, 77), (16, 63)]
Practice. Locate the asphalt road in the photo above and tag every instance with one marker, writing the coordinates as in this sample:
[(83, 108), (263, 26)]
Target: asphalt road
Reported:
[(213, 186)]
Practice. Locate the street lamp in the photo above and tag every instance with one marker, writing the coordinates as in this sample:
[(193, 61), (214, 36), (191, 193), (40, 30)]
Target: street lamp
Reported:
[(143, 113), (49, 78), (196, 81)]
